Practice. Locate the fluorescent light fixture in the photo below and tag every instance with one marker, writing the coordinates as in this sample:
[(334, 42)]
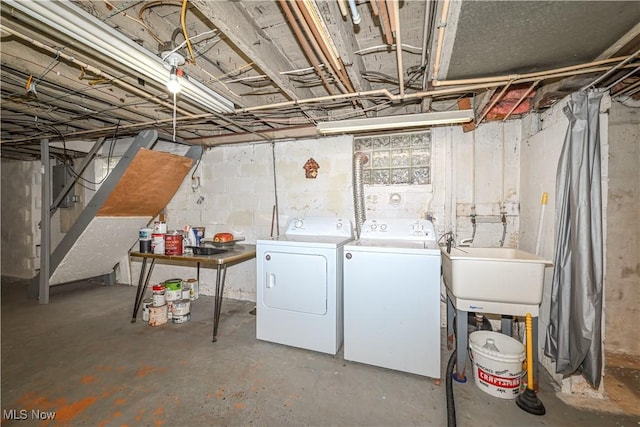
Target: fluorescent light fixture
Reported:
[(396, 122), (68, 19)]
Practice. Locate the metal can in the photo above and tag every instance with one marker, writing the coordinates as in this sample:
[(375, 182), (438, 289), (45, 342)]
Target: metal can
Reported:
[(181, 307), (145, 233), (182, 318), (158, 315), (173, 243), (146, 303), (158, 296), (173, 289), (194, 288), (160, 227), (157, 243)]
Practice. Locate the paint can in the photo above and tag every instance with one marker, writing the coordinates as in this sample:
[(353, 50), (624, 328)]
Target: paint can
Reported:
[(183, 318), (173, 243), (194, 288), (186, 290), (146, 303), (181, 307), (173, 289), (157, 243), (158, 298), (145, 246), (160, 227), (158, 315), (145, 233)]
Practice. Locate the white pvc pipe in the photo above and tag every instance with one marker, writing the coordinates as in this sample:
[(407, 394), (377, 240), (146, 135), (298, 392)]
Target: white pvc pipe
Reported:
[(355, 16)]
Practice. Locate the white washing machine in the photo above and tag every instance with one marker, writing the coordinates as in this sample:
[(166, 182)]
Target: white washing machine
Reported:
[(392, 297), (299, 279)]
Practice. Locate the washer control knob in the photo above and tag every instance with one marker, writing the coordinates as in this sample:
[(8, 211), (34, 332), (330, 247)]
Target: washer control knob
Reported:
[(299, 223), (383, 227), (348, 255), (339, 226), (268, 257), (374, 226)]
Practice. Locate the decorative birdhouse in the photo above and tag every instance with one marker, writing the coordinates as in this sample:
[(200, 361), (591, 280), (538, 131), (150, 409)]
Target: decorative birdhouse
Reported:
[(311, 168)]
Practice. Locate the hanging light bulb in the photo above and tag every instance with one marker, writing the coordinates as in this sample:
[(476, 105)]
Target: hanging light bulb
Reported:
[(173, 85)]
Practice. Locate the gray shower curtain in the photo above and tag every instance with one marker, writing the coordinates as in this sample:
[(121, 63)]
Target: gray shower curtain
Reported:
[(574, 336)]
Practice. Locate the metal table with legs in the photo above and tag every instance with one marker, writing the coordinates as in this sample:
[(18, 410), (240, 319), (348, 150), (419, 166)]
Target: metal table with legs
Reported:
[(232, 255)]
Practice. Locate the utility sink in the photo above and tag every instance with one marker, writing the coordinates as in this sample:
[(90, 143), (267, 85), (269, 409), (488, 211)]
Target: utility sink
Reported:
[(494, 280)]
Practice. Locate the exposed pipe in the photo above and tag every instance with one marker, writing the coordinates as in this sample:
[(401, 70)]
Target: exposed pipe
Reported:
[(297, 9), (376, 92), (426, 35), (629, 90), (522, 98), (305, 45), (615, 68), (316, 28), (45, 224), (441, 27), (392, 16), (355, 16), (513, 77), (359, 159), (384, 20), (629, 74), (396, 17)]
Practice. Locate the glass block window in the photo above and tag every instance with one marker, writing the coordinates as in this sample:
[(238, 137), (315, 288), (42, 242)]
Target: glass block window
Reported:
[(396, 159)]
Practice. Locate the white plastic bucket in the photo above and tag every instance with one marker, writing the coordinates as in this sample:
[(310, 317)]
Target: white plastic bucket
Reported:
[(497, 363)]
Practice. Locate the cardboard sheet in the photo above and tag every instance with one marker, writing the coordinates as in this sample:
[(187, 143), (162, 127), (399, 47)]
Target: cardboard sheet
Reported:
[(148, 184)]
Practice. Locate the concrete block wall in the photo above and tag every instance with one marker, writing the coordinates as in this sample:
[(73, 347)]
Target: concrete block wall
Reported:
[(622, 293), (18, 228)]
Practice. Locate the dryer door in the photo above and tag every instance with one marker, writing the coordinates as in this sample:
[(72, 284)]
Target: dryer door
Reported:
[(295, 281)]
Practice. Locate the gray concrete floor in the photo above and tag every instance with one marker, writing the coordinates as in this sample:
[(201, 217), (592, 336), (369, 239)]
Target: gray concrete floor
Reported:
[(80, 357)]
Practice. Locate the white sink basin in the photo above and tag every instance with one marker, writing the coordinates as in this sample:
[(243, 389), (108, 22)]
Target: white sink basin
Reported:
[(493, 277)]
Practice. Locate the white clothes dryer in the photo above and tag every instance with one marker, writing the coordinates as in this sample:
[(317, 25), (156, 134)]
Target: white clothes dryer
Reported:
[(392, 297), (299, 284)]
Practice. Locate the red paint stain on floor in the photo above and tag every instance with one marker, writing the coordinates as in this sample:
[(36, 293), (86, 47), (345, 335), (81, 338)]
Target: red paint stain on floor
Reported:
[(88, 379), (67, 413), (117, 414), (159, 411), (120, 401), (239, 405), (104, 423), (146, 370), (158, 423), (140, 414)]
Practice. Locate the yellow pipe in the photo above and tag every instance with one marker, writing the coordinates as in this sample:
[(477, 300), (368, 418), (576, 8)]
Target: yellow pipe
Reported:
[(529, 329)]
